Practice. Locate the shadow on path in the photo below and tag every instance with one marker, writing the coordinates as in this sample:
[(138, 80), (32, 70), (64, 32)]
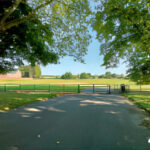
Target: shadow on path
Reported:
[(83, 121)]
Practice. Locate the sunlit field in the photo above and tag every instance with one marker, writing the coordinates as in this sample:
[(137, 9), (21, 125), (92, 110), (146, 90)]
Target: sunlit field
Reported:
[(63, 81), (63, 85)]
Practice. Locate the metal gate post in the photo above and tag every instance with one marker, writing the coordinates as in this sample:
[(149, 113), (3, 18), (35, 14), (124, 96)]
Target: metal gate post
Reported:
[(93, 88), (109, 89)]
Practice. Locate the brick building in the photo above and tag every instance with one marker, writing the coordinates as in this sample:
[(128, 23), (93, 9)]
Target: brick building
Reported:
[(11, 75)]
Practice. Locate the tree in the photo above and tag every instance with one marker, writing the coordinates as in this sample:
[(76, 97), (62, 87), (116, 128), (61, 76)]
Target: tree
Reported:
[(67, 75), (85, 75), (139, 69), (113, 75), (37, 71), (24, 42), (102, 76), (123, 28), (108, 75), (95, 76), (42, 31)]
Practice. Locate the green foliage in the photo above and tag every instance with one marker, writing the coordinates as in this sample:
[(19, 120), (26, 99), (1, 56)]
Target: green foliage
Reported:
[(95, 76), (67, 75), (139, 69), (37, 71), (85, 75), (27, 41), (123, 28), (58, 28), (109, 75)]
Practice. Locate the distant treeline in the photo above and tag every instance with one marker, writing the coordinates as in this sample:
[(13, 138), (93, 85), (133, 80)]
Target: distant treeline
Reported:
[(84, 75), (110, 75)]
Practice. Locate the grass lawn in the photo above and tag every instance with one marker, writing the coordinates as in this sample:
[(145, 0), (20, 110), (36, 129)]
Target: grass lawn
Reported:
[(140, 98), (62, 85), (13, 100)]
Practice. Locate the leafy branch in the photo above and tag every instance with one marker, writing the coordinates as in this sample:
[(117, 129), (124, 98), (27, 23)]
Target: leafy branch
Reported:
[(7, 25)]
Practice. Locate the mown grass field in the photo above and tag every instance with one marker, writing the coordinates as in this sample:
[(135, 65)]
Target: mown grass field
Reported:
[(56, 85), (140, 98), (14, 100), (62, 81)]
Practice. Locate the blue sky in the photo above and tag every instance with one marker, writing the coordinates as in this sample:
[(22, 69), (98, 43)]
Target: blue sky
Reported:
[(92, 65), (93, 61)]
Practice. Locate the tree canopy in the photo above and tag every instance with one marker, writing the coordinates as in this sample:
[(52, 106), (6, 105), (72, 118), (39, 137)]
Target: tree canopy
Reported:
[(85, 75), (67, 75), (42, 31), (123, 28)]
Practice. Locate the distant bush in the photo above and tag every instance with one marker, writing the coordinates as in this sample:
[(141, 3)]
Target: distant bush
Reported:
[(67, 75), (85, 75), (109, 75)]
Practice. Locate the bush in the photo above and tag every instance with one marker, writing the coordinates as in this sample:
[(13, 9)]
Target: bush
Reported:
[(85, 75), (67, 75)]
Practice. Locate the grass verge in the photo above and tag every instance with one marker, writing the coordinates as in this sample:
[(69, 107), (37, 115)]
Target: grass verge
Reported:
[(14, 100), (142, 99)]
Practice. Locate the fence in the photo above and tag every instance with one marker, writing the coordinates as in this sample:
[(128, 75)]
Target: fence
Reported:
[(72, 88), (39, 88)]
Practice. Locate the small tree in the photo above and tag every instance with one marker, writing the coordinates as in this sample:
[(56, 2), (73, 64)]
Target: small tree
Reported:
[(67, 75), (108, 74), (85, 75), (114, 75), (37, 72)]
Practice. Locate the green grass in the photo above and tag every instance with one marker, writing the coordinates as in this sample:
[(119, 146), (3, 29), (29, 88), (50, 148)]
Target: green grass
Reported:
[(140, 98), (13, 100), (62, 85)]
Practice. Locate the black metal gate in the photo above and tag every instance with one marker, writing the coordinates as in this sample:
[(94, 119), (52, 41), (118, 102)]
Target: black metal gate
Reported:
[(95, 88)]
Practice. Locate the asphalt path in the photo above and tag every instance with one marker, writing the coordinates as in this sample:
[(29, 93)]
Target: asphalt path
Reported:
[(75, 122)]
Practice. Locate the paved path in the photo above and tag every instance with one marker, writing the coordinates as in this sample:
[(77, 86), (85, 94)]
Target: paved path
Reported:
[(79, 122)]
